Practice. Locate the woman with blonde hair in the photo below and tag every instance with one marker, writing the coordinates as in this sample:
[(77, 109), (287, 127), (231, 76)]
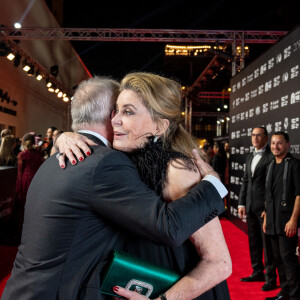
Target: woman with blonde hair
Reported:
[(29, 160), (7, 157), (147, 125)]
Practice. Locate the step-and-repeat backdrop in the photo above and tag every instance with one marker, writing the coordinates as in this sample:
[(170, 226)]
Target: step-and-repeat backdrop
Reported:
[(266, 93)]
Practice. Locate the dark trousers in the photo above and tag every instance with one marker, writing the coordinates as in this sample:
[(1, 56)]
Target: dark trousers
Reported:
[(260, 246), (284, 250)]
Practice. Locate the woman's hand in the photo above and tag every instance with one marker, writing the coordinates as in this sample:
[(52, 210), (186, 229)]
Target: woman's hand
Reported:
[(203, 167), (72, 144), (131, 295)]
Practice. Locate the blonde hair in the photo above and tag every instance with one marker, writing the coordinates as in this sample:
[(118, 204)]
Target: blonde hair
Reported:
[(162, 97), (6, 150)]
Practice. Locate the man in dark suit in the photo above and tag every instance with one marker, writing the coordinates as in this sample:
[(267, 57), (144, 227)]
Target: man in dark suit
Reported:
[(252, 203), (282, 215), (75, 217)]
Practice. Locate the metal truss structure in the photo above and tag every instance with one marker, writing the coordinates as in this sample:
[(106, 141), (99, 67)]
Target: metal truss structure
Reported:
[(143, 35), (233, 37)]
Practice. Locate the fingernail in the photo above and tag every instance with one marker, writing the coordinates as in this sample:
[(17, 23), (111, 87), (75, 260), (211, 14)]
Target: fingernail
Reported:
[(115, 288), (73, 162), (62, 166), (80, 158), (88, 153)]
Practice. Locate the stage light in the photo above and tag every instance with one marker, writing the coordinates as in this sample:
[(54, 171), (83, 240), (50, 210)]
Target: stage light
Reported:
[(52, 88), (4, 49), (218, 109), (30, 72), (225, 106), (66, 99), (17, 60), (17, 25), (26, 68), (38, 76), (56, 90), (54, 70), (10, 56), (49, 84), (60, 94)]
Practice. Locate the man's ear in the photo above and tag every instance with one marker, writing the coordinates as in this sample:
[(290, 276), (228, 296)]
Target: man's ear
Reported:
[(163, 125)]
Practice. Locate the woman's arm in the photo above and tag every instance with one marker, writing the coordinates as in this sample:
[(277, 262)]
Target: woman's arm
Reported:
[(214, 264)]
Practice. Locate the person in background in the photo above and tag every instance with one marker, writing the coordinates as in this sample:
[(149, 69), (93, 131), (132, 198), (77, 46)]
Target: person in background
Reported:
[(46, 148), (252, 203), (226, 181), (29, 161), (219, 160), (4, 132), (282, 221), (207, 153), (7, 156)]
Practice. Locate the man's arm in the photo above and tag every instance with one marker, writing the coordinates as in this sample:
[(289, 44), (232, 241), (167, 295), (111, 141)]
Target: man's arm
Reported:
[(291, 226), (117, 194)]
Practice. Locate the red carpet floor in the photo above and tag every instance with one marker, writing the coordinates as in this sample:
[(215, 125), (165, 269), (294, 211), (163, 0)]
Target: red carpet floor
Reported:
[(237, 242)]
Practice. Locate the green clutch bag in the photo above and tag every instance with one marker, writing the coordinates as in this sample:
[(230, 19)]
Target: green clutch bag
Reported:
[(137, 275)]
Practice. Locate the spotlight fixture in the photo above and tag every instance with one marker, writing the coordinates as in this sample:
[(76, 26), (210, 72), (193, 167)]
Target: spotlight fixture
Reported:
[(17, 60), (56, 90), (38, 76), (54, 70), (66, 99), (10, 56), (26, 66), (60, 94), (17, 25), (49, 83), (52, 88), (4, 49), (30, 72)]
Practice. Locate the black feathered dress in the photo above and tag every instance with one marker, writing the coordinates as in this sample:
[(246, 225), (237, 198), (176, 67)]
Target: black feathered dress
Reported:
[(152, 162)]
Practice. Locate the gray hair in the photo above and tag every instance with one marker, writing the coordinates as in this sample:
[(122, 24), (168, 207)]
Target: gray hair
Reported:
[(93, 102)]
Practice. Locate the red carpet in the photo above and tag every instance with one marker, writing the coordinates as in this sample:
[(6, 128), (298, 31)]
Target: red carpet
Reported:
[(237, 242)]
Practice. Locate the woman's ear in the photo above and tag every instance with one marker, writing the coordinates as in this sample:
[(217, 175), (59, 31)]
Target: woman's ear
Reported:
[(163, 125)]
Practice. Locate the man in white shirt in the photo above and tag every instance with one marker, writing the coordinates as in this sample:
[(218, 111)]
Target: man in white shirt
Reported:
[(252, 204)]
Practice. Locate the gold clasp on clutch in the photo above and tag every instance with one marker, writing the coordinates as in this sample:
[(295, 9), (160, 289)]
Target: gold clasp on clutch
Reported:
[(139, 286)]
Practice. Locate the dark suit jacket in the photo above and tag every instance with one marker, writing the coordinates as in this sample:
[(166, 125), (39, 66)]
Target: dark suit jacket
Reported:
[(73, 221), (277, 208), (252, 193)]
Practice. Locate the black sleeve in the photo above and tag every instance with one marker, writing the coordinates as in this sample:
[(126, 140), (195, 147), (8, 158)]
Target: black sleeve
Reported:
[(118, 194), (244, 187)]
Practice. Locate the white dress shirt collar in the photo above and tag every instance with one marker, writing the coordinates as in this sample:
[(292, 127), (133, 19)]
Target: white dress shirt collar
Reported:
[(98, 135)]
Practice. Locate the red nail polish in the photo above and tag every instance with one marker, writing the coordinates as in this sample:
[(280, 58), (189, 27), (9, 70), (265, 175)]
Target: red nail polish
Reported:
[(88, 153), (80, 158), (62, 166), (115, 288), (73, 162)]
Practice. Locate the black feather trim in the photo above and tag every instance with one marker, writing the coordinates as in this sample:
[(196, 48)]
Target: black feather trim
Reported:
[(152, 161)]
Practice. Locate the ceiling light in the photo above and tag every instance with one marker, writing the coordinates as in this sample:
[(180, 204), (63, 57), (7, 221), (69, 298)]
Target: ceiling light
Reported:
[(49, 83), (38, 76), (66, 99), (60, 94), (10, 56), (17, 25)]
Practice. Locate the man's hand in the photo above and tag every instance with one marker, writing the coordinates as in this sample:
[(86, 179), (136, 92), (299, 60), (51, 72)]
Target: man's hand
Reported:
[(291, 228), (70, 144), (264, 227), (203, 167), (242, 212)]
